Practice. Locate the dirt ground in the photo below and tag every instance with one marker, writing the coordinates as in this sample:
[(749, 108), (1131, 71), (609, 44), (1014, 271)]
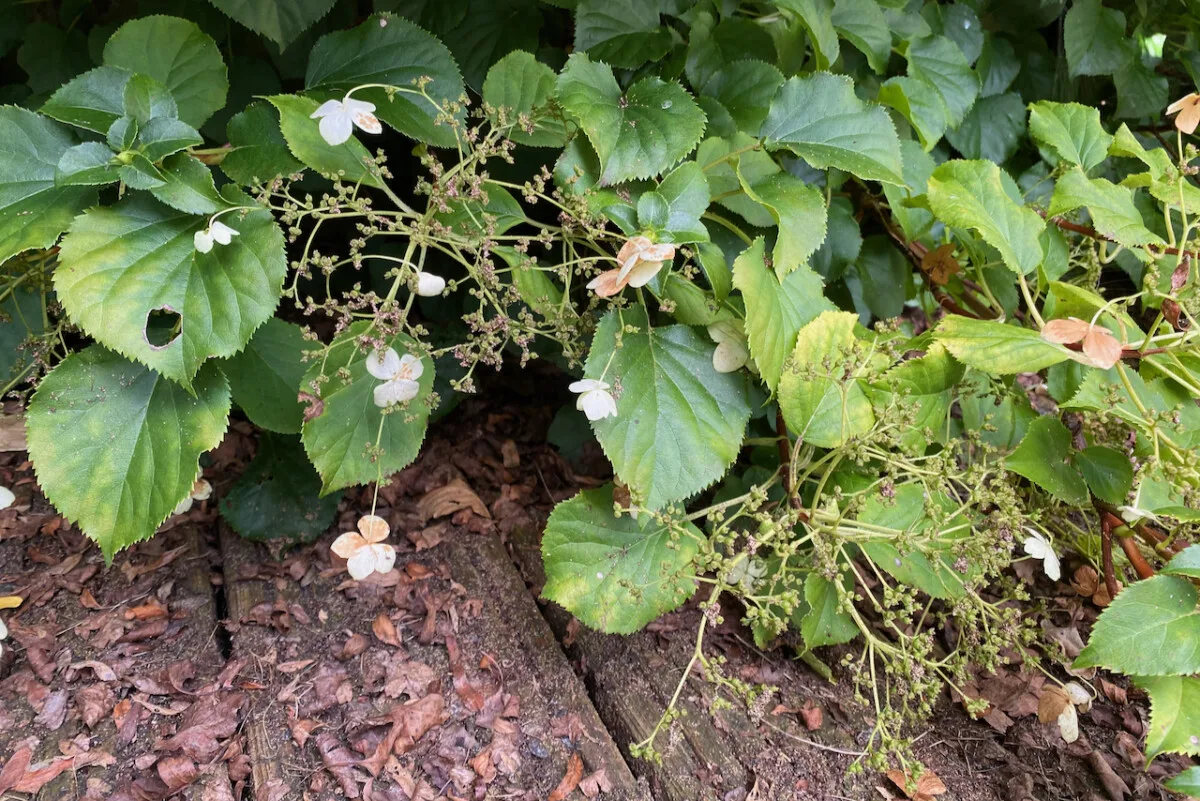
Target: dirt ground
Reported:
[(205, 667)]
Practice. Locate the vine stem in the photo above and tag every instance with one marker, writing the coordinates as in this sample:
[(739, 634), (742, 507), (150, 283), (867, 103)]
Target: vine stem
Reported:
[(1092, 233)]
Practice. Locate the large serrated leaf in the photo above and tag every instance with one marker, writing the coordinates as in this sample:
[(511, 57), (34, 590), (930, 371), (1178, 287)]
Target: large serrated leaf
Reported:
[(33, 209), (862, 24), (820, 119), (997, 348), (387, 49), (281, 21), (637, 134), (259, 152), (340, 439), (930, 568), (940, 63), (679, 422), (799, 212), (1094, 39), (775, 311), (616, 574), (1113, 211), (970, 194), (1072, 130), (1152, 628), (177, 54), (820, 405), (121, 263), (522, 85), (1174, 714), (116, 445), (623, 33)]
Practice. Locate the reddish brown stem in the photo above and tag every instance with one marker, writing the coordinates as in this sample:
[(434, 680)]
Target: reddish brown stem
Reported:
[(1135, 557), (1106, 535), (1087, 231)]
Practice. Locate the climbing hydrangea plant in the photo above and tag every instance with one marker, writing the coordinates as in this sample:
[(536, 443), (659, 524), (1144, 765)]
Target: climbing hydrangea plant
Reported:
[(862, 299)]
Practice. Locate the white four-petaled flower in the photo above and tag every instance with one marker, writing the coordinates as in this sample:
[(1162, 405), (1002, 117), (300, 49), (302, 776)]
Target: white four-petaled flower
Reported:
[(6, 497), (639, 260), (338, 118), (430, 285), (398, 373), (365, 552), (1039, 547), (594, 400), (216, 231)]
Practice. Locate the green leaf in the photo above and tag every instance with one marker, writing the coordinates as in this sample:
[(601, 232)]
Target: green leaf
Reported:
[(820, 119), (470, 217), (1044, 457), (775, 312), (1185, 563), (259, 152), (1002, 419), (920, 104), (162, 136), (1108, 473), (959, 24), (484, 31), (177, 54), (799, 211), (997, 66), (1151, 629), (970, 194), (939, 62), (997, 348), (636, 134), (33, 209), (819, 405), (862, 24), (265, 376), (86, 164), (277, 497), (390, 50), (616, 574), (281, 21), (886, 277), (684, 195), (992, 129), (339, 440), (713, 47), (123, 262), (816, 17), (93, 100), (1072, 130), (1111, 206), (825, 623), (147, 98), (679, 422), (933, 574), (716, 269), (1186, 783), (918, 166), (1141, 92), (523, 85), (1094, 39), (928, 382), (349, 161), (189, 186), (722, 170), (746, 88), (623, 33), (20, 318), (116, 445)]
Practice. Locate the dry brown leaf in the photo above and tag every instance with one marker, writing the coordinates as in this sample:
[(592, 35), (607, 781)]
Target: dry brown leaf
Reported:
[(510, 454), (385, 631), (449, 499), (1051, 703), (353, 647), (22, 777), (940, 264), (569, 781), (928, 785)]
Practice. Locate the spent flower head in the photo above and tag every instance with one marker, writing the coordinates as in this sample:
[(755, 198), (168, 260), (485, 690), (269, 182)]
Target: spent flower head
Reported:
[(365, 551)]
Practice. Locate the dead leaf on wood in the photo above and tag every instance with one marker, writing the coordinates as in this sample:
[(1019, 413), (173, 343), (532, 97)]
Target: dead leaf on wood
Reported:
[(449, 499), (569, 781), (209, 720), (102, 671), (94, 703), (927, 786), (409, 723), (54, 712), (353, 647)]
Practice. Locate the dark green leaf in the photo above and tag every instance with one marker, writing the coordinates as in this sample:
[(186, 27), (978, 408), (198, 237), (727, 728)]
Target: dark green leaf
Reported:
[(1044, 457)]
